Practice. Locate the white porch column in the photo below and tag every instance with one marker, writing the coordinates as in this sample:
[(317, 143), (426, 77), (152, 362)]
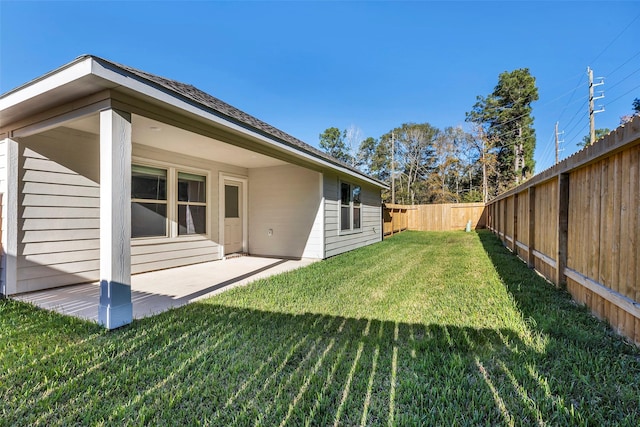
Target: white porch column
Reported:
[(9, 188), (115, 307)]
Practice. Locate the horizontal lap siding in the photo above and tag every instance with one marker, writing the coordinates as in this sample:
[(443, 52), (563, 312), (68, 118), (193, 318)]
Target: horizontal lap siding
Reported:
[(371, 231), (59, 230), (161, 253), (3, 216), (59, 236)]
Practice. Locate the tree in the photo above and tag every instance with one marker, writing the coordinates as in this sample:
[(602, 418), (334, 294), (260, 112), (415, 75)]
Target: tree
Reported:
[(413, 157), (586, 141), (414, 150), (372, 158), (332, 142), (506, 117), (444, 177), (352, 139), (482, 152), (636, 112)]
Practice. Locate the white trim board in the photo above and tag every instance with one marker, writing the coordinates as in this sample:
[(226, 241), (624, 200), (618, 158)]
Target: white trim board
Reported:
[(244, 180)]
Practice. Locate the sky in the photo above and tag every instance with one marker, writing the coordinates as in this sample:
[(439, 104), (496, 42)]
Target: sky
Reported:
[(306, 66)]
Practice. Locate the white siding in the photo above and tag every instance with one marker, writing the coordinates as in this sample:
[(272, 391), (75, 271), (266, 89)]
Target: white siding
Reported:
[(3, 215), (287, 200), (160, 253), (59, 236), (371, 231)]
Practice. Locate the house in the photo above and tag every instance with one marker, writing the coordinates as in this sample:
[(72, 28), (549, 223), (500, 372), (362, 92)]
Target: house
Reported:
[(108, 171)]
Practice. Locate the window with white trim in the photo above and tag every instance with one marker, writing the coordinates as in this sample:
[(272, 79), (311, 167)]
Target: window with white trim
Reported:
[(155, 204), (350, 207), (192, 203), (148, 201)]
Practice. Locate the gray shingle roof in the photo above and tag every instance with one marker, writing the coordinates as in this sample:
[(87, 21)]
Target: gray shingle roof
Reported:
[(221, 108)]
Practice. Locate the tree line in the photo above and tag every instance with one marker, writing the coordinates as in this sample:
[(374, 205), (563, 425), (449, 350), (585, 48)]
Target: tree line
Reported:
[(423, 164)]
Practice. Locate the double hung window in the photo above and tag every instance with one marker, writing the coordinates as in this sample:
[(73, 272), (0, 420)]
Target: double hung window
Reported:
[(350, 207), (148, 201), (192, 204), (155, 204)]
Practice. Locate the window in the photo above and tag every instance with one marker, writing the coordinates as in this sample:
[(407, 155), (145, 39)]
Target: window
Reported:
[(192, 204), (345, 206), (152, 197), (148, 201), (355, 191), (231, 199), (350, 207)]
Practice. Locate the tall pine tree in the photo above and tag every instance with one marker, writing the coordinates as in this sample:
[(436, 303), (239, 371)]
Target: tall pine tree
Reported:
[(505, 116)]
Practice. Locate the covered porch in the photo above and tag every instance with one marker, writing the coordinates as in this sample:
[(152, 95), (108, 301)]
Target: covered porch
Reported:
[(116, 188), (158, 291)]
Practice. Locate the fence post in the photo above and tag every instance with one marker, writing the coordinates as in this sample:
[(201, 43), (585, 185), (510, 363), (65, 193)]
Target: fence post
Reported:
[(504, 220), (532, 226), (563, 228), (514, 234), (392, 222)]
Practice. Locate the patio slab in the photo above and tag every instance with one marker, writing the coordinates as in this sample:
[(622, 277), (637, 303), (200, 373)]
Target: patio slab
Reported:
[(158, 291)]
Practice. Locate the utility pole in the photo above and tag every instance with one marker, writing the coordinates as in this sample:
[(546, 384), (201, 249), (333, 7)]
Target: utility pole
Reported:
[(592, 121), (393, 169), (558, 143), (519, 157), (485, 188)]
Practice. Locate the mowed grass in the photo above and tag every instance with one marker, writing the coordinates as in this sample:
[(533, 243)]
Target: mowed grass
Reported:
[(421, 329)]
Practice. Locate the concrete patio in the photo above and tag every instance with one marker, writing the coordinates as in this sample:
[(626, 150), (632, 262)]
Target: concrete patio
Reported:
[(158, 291)]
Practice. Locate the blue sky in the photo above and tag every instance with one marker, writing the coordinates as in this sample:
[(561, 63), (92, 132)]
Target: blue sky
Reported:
[(307, 66)]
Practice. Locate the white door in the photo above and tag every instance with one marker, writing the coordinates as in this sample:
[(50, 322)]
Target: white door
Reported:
[(233, 211)]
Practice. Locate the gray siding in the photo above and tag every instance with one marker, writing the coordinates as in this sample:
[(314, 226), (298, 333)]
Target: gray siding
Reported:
[(156, 254), (371, 231), (3, 219), (59, 236)]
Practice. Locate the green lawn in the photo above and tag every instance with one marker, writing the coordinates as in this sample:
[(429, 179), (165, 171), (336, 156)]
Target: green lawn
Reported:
[(421, 329)]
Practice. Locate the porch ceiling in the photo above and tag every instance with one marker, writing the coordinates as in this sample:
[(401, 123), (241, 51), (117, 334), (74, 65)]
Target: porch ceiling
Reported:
[(156, 134)]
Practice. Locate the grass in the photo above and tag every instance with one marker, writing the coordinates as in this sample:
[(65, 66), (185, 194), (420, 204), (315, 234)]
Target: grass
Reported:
[(421, 329)]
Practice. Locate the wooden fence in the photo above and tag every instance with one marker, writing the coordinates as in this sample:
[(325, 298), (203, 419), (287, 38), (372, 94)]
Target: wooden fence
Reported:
[(394, 218), (444, 217), (578, 224), (447, 217)]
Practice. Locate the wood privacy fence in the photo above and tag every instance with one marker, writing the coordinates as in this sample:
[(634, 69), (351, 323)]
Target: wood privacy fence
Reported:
[(394, 218), (444, 217), (578, 223), (447, 217)]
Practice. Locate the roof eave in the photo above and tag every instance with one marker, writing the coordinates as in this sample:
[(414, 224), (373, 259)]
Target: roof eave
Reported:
[(122, 77), (86, 65)]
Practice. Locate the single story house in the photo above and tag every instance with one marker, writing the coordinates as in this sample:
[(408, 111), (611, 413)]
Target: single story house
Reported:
[(108, 171)]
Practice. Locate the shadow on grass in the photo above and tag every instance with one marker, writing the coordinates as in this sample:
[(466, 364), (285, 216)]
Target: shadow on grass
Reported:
[(217, 365), (549, 309)]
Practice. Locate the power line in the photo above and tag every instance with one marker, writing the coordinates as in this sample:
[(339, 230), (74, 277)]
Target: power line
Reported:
[(615, 38), (627, 77), (572, 93), (625, 94), (623, 64)]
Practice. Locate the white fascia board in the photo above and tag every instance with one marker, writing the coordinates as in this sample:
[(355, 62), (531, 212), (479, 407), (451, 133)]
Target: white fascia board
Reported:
[(112, 74), (68, 73)]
